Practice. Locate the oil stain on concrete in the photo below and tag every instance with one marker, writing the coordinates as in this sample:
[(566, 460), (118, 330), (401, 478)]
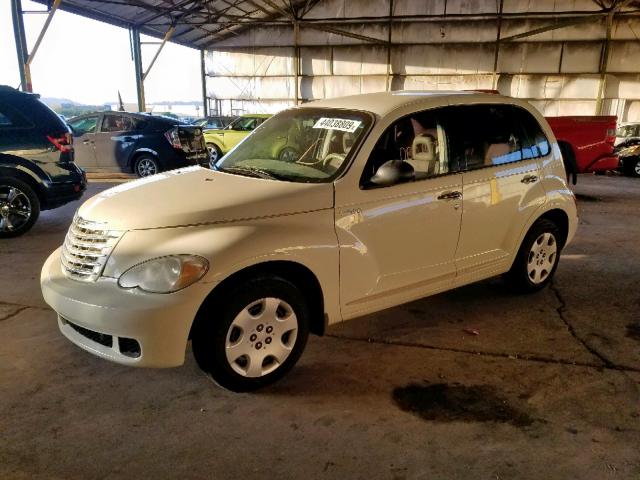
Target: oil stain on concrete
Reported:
[(442, 402)]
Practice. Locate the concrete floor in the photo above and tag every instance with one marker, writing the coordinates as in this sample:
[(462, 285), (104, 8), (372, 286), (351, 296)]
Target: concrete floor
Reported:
[(548, 388)]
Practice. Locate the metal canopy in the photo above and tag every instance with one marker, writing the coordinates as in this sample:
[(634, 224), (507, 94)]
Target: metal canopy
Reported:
[(198, 23)]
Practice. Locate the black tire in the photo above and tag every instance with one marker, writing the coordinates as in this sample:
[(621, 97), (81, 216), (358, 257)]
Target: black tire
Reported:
[(26, 202), (569, 160), (215, 328), (146, 165), (215, 154), (631, 166), (519, 278)]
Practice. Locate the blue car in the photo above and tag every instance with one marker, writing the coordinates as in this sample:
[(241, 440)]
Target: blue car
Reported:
[(136, 143)]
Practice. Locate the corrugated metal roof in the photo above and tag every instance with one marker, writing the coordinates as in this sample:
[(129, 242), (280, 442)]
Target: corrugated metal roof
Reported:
[(198, 23)]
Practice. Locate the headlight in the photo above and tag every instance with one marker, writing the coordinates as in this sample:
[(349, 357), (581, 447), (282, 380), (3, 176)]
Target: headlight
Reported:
[(165, 274)]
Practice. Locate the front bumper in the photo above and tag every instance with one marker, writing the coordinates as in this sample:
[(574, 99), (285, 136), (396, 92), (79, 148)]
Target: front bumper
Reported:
[(108, 314)]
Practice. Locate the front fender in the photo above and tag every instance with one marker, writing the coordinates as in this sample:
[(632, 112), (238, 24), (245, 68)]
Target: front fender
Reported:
[(307, 239)]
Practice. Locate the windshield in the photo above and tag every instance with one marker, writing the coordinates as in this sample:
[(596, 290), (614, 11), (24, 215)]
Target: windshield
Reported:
[(309, 145)]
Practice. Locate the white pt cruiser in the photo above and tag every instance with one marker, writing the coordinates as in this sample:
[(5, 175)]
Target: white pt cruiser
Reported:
[(327, 212)]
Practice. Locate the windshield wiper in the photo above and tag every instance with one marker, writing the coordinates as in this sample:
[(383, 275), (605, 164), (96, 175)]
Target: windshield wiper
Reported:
[(251, 171)]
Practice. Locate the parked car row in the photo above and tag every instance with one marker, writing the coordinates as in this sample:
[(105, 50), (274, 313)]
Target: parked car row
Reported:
[(136, 142)]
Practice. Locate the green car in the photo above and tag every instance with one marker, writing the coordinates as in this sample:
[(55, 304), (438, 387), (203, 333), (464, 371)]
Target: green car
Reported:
[(220, 141)]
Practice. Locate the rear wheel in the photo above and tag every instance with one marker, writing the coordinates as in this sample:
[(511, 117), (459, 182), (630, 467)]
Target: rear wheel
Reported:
[(146, 165), (19, 207), (537, 259), (253, 337)]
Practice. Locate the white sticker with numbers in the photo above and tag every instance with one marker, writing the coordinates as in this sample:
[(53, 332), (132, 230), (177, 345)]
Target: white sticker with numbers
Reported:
[(338, 124)]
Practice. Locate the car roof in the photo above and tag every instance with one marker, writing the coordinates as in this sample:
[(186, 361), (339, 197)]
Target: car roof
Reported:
[(6, 90), (257, 115), (382, 103)]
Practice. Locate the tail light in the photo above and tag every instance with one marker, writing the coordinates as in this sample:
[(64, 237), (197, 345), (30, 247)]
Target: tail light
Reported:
[(173, 138), (63, 142), (611, 135)]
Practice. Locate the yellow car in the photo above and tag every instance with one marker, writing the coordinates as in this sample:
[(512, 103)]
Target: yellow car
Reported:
[(219, 142)]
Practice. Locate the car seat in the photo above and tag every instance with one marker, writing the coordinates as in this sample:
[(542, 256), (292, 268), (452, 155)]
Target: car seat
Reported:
[(424, 157)]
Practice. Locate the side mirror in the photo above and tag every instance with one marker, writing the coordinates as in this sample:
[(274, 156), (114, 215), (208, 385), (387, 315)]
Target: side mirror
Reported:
[(392, 172)]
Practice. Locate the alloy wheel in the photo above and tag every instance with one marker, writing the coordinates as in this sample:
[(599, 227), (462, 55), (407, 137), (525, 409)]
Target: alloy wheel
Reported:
[(542, 258), (261, 337), (213, 155), (15, 208), (147, 167)]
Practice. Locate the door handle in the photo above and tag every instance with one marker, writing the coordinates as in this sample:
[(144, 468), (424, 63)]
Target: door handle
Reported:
[(529, 179), (450, 196)]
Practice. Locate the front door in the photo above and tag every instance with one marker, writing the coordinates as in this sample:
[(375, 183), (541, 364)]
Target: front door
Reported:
[(397, 242), (84, 133)]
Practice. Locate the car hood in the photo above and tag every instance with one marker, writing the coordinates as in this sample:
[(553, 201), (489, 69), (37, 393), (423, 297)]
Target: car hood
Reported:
[(194, 195)]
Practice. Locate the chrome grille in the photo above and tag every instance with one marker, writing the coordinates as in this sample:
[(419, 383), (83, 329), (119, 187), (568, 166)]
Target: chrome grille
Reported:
[(86, 249)]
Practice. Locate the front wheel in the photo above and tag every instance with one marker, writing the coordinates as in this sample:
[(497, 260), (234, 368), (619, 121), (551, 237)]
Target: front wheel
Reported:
[(19, 207), (537, 259), (631, 166), (215, 154), (254, 336)]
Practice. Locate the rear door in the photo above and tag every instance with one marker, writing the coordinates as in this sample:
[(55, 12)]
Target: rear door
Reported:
[(115, 141), (84, 142), (501, 183)]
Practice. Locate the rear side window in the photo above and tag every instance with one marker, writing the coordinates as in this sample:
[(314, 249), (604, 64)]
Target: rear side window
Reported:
[(489, 135), (12, 118), (117, 123)]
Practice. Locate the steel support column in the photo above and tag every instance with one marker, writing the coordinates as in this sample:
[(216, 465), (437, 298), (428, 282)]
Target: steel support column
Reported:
[(21, 45), (137, 61), (203, 76), (296, 59)]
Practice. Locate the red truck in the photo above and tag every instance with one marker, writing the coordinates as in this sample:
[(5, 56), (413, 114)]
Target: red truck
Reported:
[(586, 143)]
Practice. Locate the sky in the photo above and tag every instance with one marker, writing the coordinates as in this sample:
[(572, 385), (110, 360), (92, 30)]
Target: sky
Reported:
[(88, 61)]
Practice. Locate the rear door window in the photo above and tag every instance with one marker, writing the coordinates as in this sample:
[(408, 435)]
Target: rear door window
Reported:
[(117, 123), (484, 136)]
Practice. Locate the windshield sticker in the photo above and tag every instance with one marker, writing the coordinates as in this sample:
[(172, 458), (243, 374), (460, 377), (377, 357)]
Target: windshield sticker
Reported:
[(338, 124)]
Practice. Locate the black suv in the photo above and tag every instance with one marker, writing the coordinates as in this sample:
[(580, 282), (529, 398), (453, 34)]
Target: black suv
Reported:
[(37, 171), (136, 142)]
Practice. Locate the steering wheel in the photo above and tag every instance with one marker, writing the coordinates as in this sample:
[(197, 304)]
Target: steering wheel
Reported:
[(347, 141), (332, 157)]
